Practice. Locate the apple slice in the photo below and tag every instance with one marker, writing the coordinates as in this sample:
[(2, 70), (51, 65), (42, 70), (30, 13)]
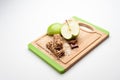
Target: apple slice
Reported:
[(70, 30)]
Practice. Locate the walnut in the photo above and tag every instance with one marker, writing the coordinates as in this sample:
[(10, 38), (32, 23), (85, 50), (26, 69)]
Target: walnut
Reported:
[(56, 46)]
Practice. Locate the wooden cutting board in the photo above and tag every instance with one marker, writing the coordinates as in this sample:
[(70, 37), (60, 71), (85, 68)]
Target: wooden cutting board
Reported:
[(90, 36)]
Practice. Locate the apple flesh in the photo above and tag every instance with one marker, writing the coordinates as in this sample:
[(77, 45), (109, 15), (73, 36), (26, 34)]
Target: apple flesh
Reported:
[(54, 28), (70, 30)]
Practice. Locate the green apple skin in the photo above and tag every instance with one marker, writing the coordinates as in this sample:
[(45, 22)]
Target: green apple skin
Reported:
[(54, 28)]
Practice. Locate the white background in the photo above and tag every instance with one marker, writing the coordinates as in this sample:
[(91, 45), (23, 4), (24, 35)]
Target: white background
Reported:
[(22, 21)]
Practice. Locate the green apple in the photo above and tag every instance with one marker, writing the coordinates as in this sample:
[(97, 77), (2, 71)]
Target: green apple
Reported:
[(54, 28), (70, 30)]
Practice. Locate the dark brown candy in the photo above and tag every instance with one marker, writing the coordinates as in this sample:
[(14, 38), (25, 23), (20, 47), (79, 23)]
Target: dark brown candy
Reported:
[(73, 43), (74, 46)]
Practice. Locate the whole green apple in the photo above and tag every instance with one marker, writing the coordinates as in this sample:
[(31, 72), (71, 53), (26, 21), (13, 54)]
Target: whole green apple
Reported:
[(54, 28)]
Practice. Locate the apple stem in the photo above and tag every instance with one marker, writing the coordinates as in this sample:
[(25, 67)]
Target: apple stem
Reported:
[(68, 25)]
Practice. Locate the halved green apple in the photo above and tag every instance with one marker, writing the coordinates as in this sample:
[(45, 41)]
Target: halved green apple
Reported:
[(70, 30)]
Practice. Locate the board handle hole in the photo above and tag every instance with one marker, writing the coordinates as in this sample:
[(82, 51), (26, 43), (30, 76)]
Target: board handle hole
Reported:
[(86, 27)]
